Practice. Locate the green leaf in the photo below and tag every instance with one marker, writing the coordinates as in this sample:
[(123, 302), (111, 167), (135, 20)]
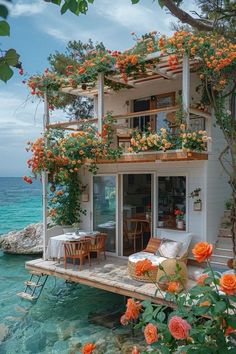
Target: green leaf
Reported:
[(220, 307), (90, 1), (65, 7), (57, 2), (73, 6), (4, 28), (3, 11), (11, 57), (5, 72), (134, 1)]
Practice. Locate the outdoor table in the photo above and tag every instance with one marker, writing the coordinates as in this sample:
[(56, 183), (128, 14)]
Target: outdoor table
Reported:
[(55, 247)]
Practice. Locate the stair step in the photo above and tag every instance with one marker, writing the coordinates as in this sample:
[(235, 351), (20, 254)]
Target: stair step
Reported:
[(26, 296), (34, 272), (219, 259), (33, 284), (227, 213), (220, 251), (225, 232)]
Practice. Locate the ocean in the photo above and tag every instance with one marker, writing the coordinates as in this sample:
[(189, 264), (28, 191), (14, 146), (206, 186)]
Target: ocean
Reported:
[(60, 321), (20, 203)]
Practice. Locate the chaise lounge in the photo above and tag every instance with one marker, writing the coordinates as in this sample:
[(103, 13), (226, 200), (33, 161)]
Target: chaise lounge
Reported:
[(169, 245)]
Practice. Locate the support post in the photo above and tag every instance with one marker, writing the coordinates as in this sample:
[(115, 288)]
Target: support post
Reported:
[(100, 100), (45, 180), (186, 87)]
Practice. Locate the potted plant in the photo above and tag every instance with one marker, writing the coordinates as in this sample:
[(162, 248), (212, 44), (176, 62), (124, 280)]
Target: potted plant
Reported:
[(179, 214)]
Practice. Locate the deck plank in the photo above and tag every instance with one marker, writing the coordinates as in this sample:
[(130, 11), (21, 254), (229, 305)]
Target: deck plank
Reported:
[(110, 275)]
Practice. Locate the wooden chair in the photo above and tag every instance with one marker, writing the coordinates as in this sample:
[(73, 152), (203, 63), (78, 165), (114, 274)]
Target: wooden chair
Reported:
[(133, 229), (77, 250), (98, 245)]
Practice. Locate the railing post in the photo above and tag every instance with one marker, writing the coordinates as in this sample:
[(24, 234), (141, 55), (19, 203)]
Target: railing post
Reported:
[(100, 100), (186, 87), (45, 179)]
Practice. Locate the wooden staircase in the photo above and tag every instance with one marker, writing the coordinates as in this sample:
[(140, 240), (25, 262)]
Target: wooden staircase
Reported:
[(223, 250), (33, 286)]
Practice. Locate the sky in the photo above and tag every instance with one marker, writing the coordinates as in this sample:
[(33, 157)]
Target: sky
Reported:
[(37, 30)]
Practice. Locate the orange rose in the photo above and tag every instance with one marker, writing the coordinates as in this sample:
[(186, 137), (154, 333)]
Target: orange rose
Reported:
[(228, 283), (88, 348), (150, 333), (201, 279), (179, 328), (174, 287), (144, 266), (202, 251), (132, 309)]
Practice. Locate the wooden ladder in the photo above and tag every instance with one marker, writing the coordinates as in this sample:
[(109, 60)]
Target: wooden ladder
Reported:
[(33, 286)]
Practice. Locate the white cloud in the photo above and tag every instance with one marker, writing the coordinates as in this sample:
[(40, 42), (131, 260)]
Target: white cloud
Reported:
[(57, 33), (22, 8)]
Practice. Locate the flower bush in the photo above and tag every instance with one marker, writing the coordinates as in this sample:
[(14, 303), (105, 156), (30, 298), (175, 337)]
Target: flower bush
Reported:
[(63, 155), (203, 318), (164, 140)]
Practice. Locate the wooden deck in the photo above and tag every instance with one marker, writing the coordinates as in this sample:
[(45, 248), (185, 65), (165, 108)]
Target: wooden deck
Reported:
[(111, 275)]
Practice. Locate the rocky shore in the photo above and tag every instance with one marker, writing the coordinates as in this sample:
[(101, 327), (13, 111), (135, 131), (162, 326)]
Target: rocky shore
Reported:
[(26, 241)]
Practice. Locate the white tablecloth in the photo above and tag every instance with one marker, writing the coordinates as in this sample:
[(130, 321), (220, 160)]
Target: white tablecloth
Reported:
[(55, 247)]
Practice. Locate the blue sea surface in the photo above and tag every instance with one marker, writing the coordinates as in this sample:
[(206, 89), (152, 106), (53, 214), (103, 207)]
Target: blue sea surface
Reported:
[(58, 323), (20, 203)]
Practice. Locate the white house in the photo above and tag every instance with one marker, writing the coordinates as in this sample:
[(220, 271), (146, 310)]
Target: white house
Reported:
[(144, 190)]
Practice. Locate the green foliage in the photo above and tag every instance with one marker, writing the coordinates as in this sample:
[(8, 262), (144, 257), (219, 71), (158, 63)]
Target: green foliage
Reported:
[(206, 318), (75, 6), (9, 58)]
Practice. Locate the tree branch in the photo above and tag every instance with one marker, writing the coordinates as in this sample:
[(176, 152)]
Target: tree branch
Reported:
[(185, 17)]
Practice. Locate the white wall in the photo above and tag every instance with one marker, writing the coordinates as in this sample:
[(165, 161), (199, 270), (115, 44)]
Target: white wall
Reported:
[(195, 173)]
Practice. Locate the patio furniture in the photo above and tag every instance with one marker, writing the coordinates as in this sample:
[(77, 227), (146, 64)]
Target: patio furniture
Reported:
[(77, 250), (98, 245), (55, 247), (133, 230), (180, 245)]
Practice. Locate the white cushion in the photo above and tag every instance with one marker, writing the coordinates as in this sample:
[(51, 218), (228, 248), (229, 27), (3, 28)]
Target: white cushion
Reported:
[(169, 248), (140, 256), (178, 236)]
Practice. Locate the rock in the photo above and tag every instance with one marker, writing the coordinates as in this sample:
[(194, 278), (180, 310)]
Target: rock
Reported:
[(26, 241), (106, 319), (4, 331)]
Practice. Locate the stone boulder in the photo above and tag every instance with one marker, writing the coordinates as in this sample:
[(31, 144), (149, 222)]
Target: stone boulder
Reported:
[(26, 241)]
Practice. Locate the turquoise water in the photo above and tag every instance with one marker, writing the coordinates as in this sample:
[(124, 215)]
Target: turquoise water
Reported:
[(20, 203), (58, 323)]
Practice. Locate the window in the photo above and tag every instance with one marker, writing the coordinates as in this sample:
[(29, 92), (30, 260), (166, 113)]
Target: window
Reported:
[(139, 106), (171, 201), (163, 119)]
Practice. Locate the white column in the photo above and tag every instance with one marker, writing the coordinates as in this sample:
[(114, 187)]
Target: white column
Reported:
[(100, 100), (186, 87), (45, 180)]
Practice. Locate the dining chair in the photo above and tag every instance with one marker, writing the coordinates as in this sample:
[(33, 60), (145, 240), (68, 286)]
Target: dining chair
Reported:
[(77, 250), (98, 245), (133, 230)]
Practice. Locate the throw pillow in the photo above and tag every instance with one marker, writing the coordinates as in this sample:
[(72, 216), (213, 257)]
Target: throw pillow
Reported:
[(169, 248)]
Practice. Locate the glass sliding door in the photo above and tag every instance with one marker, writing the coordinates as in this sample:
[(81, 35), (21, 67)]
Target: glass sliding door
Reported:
[(137, 212), (104, 208)]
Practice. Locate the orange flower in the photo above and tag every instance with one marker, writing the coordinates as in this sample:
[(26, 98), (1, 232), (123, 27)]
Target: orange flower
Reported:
[(174, 287), (143, 266), (228, 283), (132, 309), (202, 251), (88, 348), (201, 279), (150, 333), (178, 327)]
